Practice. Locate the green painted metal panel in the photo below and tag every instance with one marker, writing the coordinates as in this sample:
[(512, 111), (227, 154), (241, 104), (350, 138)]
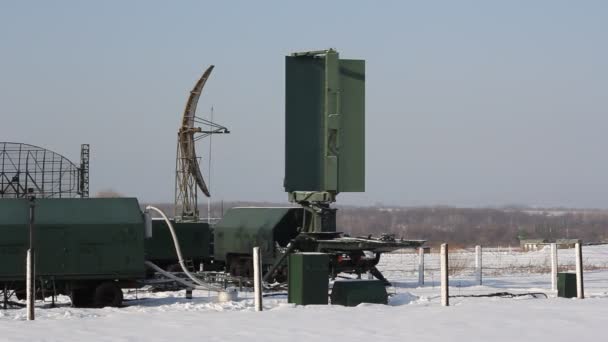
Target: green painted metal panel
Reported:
[(355, 292), (13, 211), (74, 238), (194, 240), (566, 285), (304, 123), (352, 140), (332, 120), (241, 229), (324, 123), (68, 211), (96, 211), (308, 278), (14, 215)]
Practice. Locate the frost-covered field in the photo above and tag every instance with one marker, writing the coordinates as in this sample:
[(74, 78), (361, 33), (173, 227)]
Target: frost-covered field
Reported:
[(414, 313)]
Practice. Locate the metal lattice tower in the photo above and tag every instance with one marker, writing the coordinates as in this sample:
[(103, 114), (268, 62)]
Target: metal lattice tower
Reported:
[(84, 170), (185, 188)]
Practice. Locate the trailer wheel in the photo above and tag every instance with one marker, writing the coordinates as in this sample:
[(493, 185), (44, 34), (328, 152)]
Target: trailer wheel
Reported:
[(82, 297), (108, 294), (234, 269), (248, 269)]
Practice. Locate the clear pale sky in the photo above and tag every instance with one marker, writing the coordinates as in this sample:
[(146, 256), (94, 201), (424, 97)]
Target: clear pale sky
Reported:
[(469, 103)]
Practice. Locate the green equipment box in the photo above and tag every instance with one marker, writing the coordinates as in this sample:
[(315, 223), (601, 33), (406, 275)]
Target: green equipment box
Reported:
[(566, 285), (308, 278), (355, 292)]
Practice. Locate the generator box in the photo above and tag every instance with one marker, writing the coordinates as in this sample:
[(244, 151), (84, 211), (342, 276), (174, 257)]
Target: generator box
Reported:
[(308, 278), (566, 285), (355, 292)]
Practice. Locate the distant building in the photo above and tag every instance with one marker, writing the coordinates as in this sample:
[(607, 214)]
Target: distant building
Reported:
[(566, 243), (528, 245)]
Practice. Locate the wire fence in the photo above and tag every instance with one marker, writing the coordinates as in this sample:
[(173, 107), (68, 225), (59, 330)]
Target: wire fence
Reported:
[(498, 267)]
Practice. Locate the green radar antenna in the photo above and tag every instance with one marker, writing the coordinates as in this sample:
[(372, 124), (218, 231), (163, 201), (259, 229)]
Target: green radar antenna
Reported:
[(325, 133)]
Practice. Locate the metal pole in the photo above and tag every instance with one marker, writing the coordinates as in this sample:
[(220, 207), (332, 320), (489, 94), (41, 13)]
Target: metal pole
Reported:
[(29, 283), (210, 150), (420, 266), (478, 265), (5, 293), (257, 279), (553, 267), (580, 291), (31, 276), (445, 294)]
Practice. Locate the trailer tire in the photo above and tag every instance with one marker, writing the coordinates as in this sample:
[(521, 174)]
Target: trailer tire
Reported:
[(108, 294), (248, 269), (82, 297), (234, 269), (21, 294)]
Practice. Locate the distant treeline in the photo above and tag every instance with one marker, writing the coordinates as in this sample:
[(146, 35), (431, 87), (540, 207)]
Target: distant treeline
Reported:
[(470, 226), (459, 226)]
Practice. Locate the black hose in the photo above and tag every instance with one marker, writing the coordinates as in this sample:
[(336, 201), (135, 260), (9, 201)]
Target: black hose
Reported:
[(503, 295)]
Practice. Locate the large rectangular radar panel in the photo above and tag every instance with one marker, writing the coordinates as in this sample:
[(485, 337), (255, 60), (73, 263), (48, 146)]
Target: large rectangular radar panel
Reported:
[(324, 123)]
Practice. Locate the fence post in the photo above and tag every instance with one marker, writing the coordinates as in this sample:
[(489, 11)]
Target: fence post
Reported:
[(580, 292), (30, 280), (257, 279), (420, 266), (30, 285), (553, 267), (478, 265), (445, 292)]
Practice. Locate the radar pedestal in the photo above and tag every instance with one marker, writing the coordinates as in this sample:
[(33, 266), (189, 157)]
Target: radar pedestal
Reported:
[(320, 217)]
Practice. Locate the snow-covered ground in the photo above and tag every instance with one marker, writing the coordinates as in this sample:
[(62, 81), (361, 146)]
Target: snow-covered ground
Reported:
[(413, 314)]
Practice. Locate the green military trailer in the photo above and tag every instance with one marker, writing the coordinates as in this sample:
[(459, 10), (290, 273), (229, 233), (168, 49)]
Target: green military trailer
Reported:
[(243, 228), (88, 249), (194, 239)]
